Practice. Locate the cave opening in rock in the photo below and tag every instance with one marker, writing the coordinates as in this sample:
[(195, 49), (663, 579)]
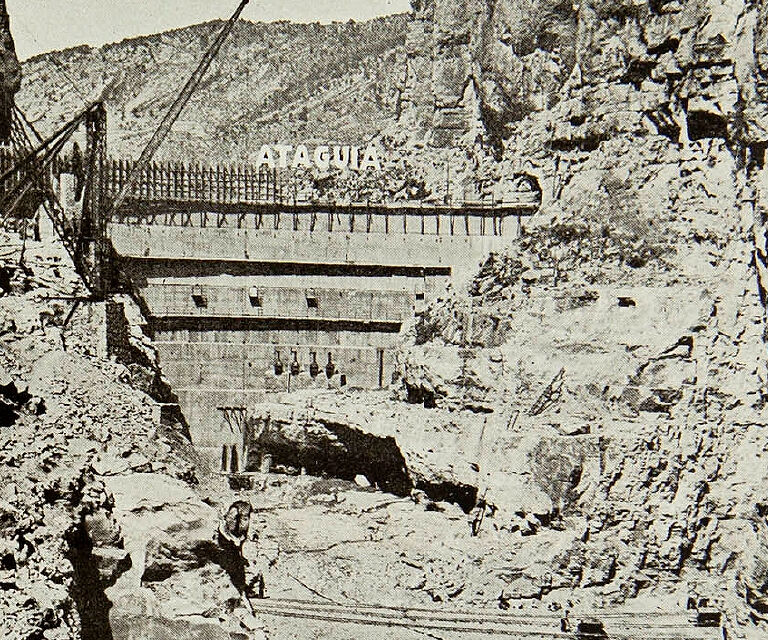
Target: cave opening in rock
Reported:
[(419, 395), (757, 155), (335, 450), (704, 124), (638, 71), (463, 495), (329, 449), (8, 415)]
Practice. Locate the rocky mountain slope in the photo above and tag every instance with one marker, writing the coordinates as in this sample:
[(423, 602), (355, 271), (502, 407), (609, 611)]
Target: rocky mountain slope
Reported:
[(597, 67), (98, 475), (601, 385), (631, 314), (270, 82)]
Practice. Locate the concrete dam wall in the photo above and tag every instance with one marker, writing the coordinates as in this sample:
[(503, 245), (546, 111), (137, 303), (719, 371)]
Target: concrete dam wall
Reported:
[(241, 311)]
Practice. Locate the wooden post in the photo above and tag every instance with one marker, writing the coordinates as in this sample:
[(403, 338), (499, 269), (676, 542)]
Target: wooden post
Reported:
[(166, 171), (275, 195), (381, 367), (186, 183), (156, 191), (93, 254), (175, 181)]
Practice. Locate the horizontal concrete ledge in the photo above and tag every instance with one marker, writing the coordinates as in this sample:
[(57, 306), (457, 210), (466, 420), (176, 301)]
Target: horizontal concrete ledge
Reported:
[(247, 346), (286, 324), (177, 300), (218, 316), (240, 267), (410, 251)]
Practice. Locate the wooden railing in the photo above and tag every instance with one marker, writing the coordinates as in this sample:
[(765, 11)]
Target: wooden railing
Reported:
[(169, 193), (216, 184)]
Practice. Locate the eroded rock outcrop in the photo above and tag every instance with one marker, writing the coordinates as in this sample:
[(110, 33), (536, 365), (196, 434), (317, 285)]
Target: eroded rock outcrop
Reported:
[(596, 69), (632, 314), (10, 73), (462, 459), (181, 583), (96, 479)]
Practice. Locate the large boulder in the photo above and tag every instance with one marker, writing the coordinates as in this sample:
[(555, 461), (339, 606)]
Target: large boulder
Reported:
[(180, 584)]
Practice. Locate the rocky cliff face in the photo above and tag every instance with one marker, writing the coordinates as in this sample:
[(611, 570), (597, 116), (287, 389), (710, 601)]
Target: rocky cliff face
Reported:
[(602, 384), (473, 66), (633, 307), (10, 73), (679, 68), (632, 311)]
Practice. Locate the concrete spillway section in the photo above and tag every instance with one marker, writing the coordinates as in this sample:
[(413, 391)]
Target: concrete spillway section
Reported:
[(239, 313)]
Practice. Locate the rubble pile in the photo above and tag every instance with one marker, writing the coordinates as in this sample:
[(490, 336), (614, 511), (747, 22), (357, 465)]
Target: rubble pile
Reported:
[(74, 434)]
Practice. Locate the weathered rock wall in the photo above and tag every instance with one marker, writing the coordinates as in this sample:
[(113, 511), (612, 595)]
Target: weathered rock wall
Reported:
[(92, 470), (642, 281), (596, 69), (640, 284), (10, 73)]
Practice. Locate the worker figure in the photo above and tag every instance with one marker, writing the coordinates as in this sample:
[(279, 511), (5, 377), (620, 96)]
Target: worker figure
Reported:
[(314, 368), (230, 537), (330, 368), (295, 366), (257, 587)]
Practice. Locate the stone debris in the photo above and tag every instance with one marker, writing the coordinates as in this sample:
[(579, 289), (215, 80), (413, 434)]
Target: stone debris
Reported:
[(74, 432), (636, 479)]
